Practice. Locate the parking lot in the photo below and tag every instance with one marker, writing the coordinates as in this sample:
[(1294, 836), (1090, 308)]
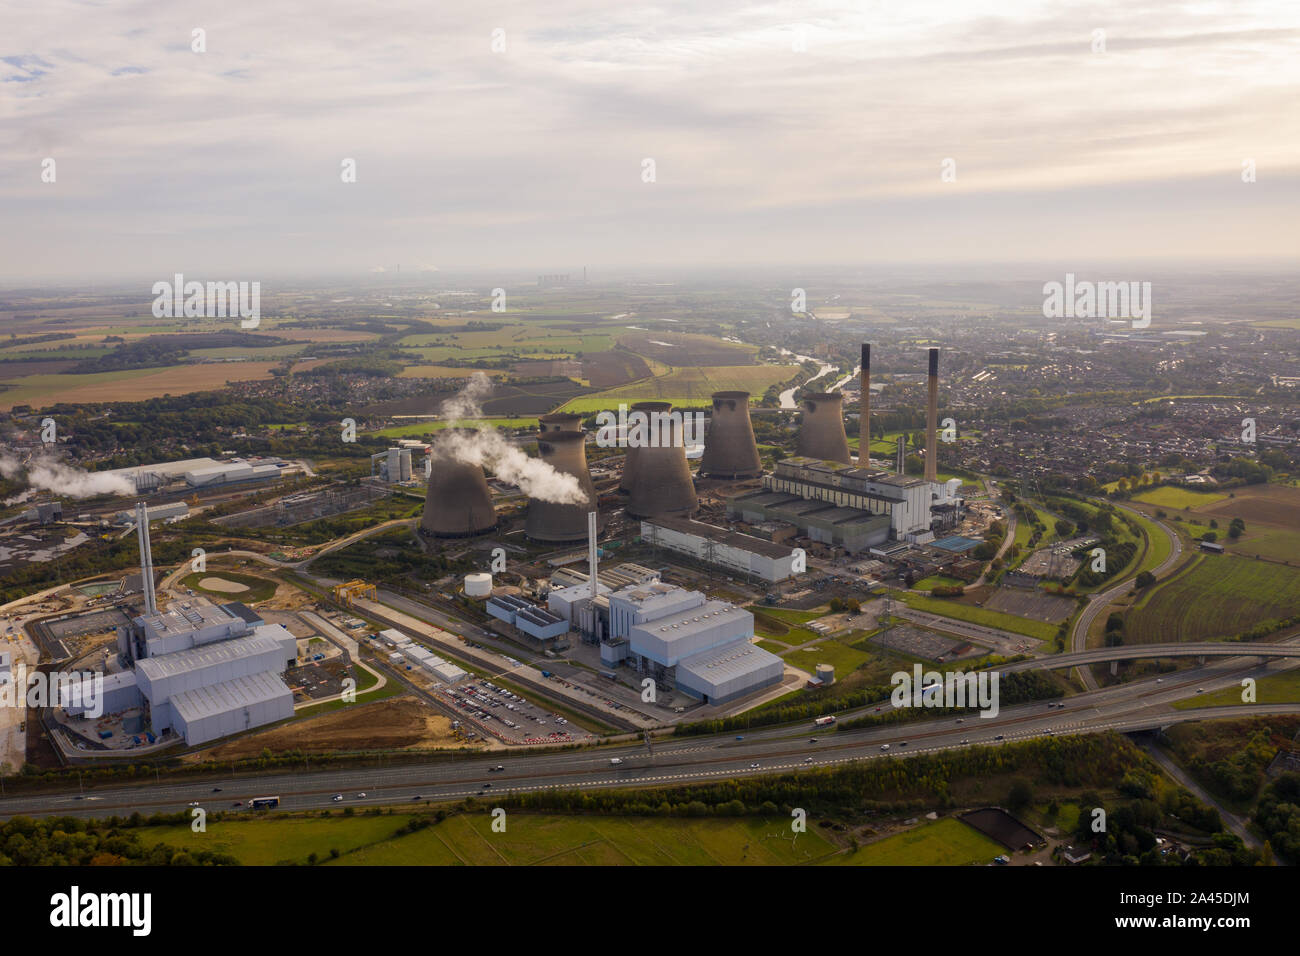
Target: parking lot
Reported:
[(509, 716)]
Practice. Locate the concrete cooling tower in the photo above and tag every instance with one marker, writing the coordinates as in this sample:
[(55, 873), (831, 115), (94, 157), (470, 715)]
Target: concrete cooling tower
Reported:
[(565, 451), (458, 503), (630, 469), (560, 422), (822, 433), (662, 484), (730, 450)]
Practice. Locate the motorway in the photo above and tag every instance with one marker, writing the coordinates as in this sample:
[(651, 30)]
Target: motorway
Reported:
[(673, 761)]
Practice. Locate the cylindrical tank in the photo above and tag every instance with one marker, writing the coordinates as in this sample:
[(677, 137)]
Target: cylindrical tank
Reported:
[(458, 503), (566, 452), (822, 433), (478, 584), (826, 673), (560, 422), (630, 469), (663, 484), (730, 450)]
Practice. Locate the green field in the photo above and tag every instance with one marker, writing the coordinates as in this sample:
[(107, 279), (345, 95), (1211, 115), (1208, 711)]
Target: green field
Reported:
[(268, 841), (946, 842), (428, 427), (1178, 499), (259, 589), (1219, 597), (692, 386), (529, 839), (945, 607), (1281, 688), (842, 657), (937, 581)]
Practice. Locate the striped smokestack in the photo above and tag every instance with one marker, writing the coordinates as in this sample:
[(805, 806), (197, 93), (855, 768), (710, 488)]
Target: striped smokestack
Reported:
[(864, 411), (932, 420)]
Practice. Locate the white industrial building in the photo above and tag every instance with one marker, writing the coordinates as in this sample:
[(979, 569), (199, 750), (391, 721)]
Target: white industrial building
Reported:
[(741, 553), (212, 711), (207, 471), (176, 509), (441, 669), (685, 641), (231, 472)]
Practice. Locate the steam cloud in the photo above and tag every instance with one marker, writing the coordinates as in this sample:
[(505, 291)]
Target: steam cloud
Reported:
[(49, 474), (487, 449)]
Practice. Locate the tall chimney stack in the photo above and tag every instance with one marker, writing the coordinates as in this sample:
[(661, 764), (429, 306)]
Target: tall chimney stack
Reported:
[(932, 420), (902, 453), (146, 557), (864, 411)]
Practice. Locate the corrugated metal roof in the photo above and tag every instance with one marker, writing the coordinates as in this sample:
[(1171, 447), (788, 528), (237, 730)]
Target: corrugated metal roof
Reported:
[(229, 695), (180, 662), (727, 663)]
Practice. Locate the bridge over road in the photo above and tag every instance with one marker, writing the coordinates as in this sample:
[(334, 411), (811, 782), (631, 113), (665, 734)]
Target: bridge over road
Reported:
[(1199, 649)]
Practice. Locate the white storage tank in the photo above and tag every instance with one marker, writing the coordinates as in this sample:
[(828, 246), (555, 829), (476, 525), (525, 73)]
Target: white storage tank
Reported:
[(827, 674), (478, 584)]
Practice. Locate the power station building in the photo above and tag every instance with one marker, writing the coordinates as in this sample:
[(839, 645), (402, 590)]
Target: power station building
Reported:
[(684, 641), (845, 506), (200, 671), (740, 553)]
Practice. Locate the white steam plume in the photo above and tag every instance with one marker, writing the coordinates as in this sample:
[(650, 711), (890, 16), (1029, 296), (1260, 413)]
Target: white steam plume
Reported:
[(487, 449), (49, 474)]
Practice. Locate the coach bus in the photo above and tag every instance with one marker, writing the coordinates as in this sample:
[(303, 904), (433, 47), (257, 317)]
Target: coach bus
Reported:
[(263, 803)]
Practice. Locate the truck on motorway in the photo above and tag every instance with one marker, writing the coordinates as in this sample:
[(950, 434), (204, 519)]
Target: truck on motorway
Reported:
[(615, 761), (824, 721), (263, 803)]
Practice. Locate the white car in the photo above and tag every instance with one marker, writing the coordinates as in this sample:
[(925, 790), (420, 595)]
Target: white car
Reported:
[(337, 798), (361, 796), (884, 746)]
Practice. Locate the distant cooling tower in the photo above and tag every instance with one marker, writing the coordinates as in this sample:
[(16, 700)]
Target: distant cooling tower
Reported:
[(630, 469), (662, 483), (560, 422), (822, 433), (932, 419), (566, 451), (458, 503), (730, 450)]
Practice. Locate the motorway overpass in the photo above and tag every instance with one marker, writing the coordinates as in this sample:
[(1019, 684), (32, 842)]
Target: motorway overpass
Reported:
[(1199, 649)]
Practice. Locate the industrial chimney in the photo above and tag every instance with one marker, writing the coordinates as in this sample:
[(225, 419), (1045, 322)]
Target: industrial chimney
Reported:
[(560, 422), (730, 450), (932, 420), (547, 521), (458, 503), (630, 469), (864, 411), (822, 433), (662, 483), (146, 557)]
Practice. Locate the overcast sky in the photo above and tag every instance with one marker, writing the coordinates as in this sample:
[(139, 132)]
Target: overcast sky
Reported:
[(227, 163)]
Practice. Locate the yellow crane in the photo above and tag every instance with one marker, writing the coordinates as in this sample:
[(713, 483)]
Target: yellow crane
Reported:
[(349, 591)]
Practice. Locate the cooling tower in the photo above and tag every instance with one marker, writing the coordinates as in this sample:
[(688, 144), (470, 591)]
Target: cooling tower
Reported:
[(630, 469), (864, 411), (662, 484), (560, 422), (822, 433), (566, 451), (730, 450), (458, 503), (932, 419)]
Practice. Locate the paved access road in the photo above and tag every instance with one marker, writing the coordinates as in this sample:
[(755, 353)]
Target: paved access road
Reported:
[(1102, 599)]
